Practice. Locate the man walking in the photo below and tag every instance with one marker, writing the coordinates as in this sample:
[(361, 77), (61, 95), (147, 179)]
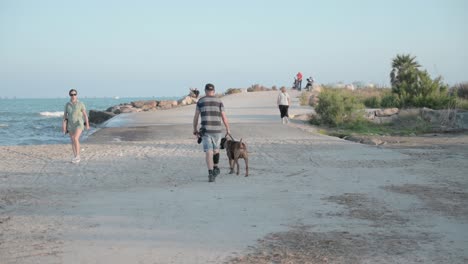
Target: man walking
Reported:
[(212, 113)]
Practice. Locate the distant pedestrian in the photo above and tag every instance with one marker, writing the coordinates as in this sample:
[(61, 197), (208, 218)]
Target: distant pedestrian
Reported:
[(211, 110), (194, 92), (75, 119), (310, 83), (299, 81), (284, 101)]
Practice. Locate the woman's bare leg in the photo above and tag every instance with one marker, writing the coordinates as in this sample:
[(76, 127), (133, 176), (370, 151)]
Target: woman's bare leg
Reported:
[(75, 141)]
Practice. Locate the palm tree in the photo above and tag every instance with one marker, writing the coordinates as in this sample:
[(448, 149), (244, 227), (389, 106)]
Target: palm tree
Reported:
[(405, 76), (402, 64)]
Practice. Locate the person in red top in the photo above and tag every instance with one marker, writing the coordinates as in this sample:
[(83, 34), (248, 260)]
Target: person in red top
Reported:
[(299, 81)]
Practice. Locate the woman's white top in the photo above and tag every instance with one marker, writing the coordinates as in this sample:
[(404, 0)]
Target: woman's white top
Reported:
[(283, 99)]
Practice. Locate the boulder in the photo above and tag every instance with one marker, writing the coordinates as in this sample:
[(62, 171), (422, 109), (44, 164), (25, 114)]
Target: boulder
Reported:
[(386, 112), (149, 105), (461, 120), (409, 112), (316, 88), (113, 108), (313, 99), (138, 104), (166, 104), (369, 114), (145, 105), (127, 109), (187, 101), (445, 118), (190, 100), (372, 141), (97, 117), (182, 102), (384, 119)]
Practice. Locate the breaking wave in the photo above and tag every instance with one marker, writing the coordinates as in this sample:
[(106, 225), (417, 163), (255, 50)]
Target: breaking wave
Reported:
[(51, 114)]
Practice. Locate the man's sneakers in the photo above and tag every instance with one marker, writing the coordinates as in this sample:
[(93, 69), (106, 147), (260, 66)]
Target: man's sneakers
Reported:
[(212, 174), (216, 171), (211, 177)]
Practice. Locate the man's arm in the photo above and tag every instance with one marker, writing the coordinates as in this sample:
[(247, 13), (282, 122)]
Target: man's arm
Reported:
[(195, 121), (226, 122)]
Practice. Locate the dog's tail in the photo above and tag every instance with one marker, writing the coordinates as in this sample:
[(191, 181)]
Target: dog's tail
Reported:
[(242, 145)]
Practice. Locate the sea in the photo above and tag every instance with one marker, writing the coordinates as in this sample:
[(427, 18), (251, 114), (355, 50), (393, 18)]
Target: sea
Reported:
[(39, 121)]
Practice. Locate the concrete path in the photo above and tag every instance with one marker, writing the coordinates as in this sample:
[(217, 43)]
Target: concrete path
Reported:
[(141, 196)]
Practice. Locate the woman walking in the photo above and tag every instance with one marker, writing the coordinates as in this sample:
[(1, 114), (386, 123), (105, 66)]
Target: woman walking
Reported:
[(283, 103), (74, 120)]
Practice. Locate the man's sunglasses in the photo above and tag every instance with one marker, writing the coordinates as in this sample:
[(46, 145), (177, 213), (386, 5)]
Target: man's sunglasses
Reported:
[(72, 94)]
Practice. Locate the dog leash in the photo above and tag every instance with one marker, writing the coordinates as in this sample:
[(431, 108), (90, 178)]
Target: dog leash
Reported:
[(228, 134)]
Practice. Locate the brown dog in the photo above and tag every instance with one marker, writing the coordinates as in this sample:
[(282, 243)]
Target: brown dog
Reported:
[(236, 150)]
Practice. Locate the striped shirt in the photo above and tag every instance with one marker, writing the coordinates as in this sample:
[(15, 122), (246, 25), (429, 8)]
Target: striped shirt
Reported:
[(210, 108)]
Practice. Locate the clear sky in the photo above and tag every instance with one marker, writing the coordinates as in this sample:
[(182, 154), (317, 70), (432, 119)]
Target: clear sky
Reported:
[(162, 48)]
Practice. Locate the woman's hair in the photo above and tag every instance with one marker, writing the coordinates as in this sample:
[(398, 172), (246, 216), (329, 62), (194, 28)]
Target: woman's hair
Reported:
[(72, 90)]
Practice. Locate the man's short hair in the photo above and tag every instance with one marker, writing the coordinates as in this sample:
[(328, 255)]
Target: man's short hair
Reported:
[(209, 87)]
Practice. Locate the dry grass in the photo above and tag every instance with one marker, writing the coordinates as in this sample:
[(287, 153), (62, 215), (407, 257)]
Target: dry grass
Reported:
[(302, 246), (362, 207), (258, 88), (448, 200), (233, 91)]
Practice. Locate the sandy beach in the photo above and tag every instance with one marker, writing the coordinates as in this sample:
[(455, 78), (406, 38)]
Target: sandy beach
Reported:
[(141, 195)]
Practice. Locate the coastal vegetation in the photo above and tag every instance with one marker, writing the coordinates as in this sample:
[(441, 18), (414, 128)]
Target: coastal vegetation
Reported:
[(261, 88), (252, 88), (233, 91), (342, 111)]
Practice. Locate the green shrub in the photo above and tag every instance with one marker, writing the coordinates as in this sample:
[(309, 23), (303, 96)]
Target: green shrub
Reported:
[(257, 88), (233, 91), (368, 92), (315, 121), (330, 107), (434, 101), (462, 104), (304, 98), (461, 90), (415, 87), (336, 107), (372, 102), (389, 101)]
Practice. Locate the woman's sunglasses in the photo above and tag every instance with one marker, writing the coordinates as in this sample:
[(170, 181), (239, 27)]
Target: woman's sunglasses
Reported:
[(72, 94)]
